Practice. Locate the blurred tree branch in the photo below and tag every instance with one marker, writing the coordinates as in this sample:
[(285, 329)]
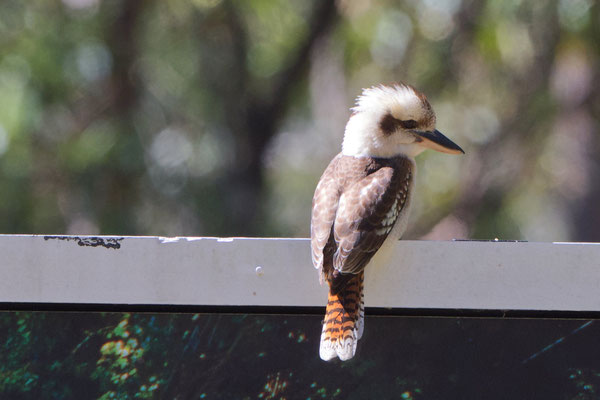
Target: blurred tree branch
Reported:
[(586, 212), (488, 179), (113, 196), (116, 194), (474, 196), (252, 116)]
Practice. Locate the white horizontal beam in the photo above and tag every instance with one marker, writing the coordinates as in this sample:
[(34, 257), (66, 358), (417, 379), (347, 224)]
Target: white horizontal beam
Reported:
[(278, 272)]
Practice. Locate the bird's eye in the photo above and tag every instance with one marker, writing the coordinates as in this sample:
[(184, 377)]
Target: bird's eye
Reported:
[(408, 124)]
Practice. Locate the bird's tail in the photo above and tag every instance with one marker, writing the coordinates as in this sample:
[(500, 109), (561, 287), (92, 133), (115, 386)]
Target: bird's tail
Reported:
[(344, 321)]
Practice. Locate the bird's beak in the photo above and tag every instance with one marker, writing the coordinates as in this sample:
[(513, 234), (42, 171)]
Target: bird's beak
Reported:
[(437, 141)]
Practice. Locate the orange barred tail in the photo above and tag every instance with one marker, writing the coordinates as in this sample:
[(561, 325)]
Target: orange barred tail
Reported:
[(344, 321)]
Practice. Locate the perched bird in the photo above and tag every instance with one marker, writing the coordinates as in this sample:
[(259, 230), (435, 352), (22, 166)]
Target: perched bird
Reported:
[(361, 203)]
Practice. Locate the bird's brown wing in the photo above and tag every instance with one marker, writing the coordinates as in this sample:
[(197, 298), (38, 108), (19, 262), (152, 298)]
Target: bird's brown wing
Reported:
[(355, 206), (341, 172), (366, 214), (324, 206)]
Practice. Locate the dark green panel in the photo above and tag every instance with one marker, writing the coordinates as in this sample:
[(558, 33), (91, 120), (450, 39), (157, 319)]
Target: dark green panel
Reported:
[(84, 355)]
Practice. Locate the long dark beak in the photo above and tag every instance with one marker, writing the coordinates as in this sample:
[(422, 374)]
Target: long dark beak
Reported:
[(437, 141)]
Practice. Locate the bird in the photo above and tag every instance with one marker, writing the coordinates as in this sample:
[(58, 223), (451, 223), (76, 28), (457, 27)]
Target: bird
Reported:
[(362, 200)]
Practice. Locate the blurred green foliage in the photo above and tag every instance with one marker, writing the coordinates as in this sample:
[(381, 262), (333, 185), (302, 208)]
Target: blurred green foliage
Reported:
[(216, 117)]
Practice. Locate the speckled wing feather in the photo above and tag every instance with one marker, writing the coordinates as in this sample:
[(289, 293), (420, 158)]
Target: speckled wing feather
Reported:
[(324, 207), (340, 171), (355, 206), (367, 212)]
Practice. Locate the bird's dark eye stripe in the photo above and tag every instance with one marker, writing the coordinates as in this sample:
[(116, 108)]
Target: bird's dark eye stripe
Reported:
[(408, 124), (388, 124)]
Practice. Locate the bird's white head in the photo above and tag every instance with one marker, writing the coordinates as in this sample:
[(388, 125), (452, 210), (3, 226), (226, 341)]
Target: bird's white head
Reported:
[(393, 120)]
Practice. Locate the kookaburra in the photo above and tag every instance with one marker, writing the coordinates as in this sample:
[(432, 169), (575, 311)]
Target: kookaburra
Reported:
[(362, 201)]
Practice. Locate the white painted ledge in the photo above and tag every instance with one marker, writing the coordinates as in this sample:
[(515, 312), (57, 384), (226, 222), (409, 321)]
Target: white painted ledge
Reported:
[(211, 271)]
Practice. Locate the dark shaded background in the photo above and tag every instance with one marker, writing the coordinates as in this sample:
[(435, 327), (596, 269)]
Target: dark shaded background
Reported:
[(239, 356), (216, 117)]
